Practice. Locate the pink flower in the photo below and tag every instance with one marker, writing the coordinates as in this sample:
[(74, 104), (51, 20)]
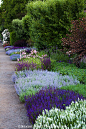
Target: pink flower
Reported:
[(23, 53), (33, 56), (35, 51), (45, 55), (24, 56), (17, 59)]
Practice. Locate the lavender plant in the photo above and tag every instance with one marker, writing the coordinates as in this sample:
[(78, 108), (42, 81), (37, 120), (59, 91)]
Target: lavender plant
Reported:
[(40, 78), (46, 63), (48, 98), (74, 117), (25, 65)]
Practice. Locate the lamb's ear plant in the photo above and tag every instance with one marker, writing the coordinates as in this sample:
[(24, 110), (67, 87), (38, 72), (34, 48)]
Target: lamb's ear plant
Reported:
[(73, 117)]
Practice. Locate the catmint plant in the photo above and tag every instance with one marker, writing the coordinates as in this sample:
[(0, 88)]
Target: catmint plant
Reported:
[(42, 78)]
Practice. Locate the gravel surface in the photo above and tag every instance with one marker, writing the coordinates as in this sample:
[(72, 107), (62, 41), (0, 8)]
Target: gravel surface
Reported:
[(12, 111)]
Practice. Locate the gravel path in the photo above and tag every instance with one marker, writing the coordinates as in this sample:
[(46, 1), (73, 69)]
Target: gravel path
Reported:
[(12, 111)]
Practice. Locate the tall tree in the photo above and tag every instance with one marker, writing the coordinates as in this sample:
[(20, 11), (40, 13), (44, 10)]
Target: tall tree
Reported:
[(12, 9)]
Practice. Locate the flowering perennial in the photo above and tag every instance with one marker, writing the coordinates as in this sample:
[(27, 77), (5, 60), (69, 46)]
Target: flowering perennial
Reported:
[(33, 54), (40, 78), (14, 57), (48, 98), (25, 65)]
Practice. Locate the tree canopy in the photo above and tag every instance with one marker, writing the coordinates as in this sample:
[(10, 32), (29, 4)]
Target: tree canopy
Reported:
[(12, 9)]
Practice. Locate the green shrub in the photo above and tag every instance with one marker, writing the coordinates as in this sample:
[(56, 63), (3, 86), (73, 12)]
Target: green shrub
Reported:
[(13, 38), (59, 56), (48, 24), (17, 27), (75, 8), (26, 26), (42, 52), (51, 20), (82, 65), (30, 43)]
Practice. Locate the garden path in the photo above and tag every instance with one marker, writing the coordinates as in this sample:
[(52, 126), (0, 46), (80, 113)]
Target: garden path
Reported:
[(12, 111)]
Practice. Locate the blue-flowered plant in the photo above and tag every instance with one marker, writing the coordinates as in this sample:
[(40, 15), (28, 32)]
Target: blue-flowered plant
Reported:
[(40, 78), (14, 57), (14, 50), (48, 98)]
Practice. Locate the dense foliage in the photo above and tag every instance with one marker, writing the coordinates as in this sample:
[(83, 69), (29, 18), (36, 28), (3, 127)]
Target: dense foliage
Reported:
[(50, 24), (12, 9), (70, 69), (76, 42)]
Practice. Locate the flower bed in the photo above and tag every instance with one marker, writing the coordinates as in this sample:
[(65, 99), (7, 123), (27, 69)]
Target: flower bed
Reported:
[(43, 89), (48, 98), (73, 117)]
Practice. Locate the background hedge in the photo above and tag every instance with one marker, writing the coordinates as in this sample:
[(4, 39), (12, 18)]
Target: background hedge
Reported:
[(50, 20)]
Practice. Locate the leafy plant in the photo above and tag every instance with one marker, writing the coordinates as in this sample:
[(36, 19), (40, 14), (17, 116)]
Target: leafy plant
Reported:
[(82, 65), (79, 88), (27, 93), (59, 56), (34, 60), (70, 69), (76, 41)]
